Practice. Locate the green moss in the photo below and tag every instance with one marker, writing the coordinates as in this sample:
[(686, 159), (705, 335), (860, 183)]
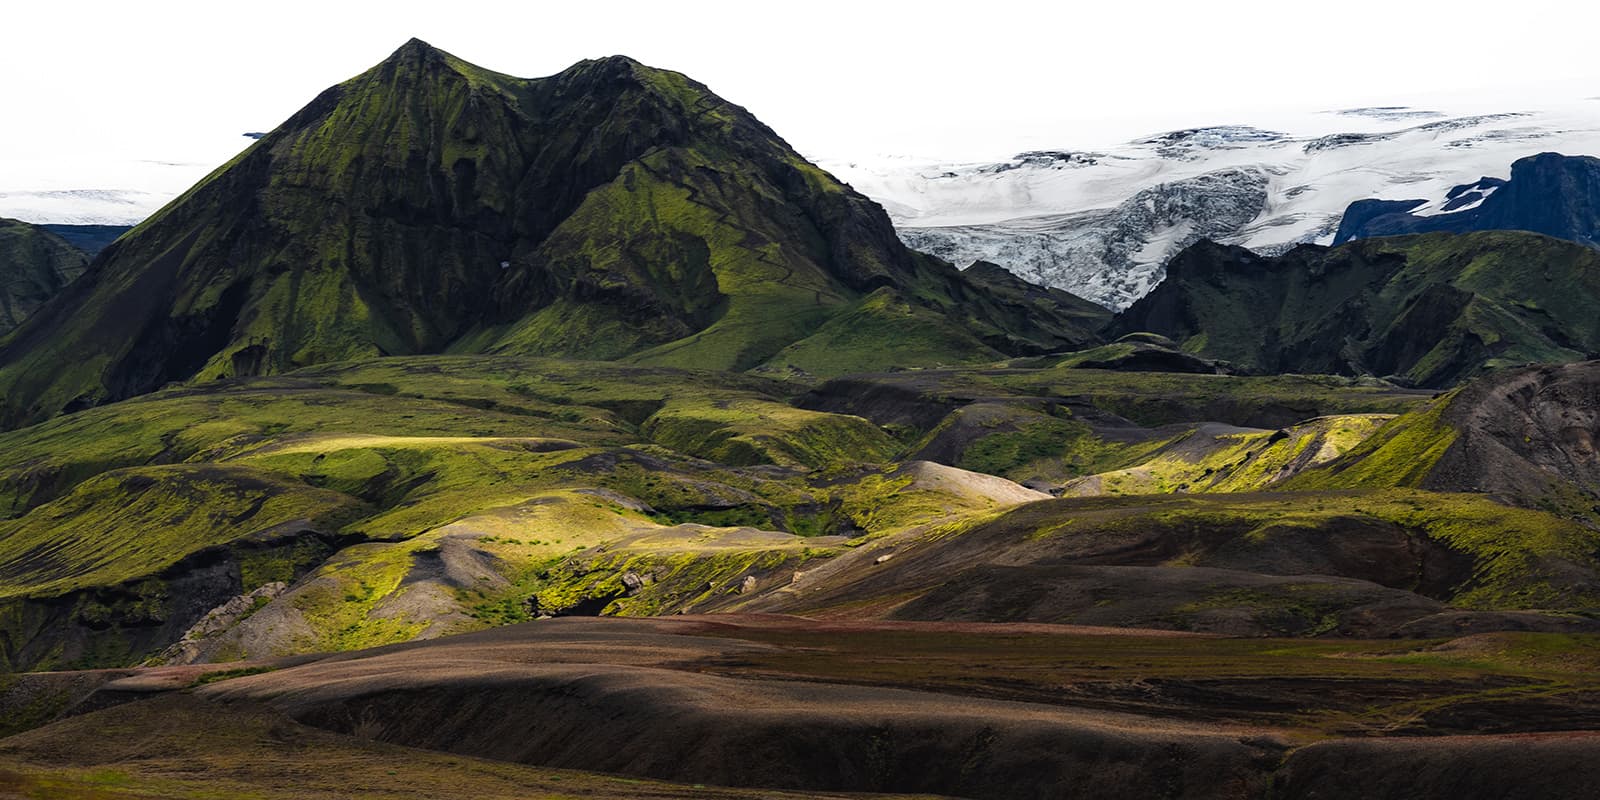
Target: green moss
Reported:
[(1521, 558), (35, 265), (215, 676), (1239, 462), (882, 331), (1434, 309), (261, 566), (757, 432), (134, 523), (1296, 607), (1399, 454)]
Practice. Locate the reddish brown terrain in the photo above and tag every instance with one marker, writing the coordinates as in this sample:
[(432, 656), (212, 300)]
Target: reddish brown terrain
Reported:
[(772, 704)]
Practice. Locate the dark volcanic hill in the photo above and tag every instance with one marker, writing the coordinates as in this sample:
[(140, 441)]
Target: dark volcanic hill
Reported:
[(35, 265), (1428, 310), (1549, 193), (1525, 437), (428, 205)]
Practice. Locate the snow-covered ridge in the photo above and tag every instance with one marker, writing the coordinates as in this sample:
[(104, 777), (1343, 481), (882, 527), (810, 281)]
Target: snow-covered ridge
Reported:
[(1073, 219), (115, 187), (81, 206)]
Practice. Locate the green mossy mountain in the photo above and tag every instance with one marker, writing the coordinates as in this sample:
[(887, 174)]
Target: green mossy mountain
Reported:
[(35, 265), (1429, 310), (612, 211)]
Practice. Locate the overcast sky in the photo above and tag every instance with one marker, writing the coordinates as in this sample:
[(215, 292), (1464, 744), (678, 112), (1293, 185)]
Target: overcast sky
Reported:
[(181, 80)]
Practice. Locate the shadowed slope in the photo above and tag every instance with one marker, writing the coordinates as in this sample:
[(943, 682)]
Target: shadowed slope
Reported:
[(35, 265)]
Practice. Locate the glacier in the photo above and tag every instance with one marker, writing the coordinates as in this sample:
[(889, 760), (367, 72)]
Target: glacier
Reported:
[(1102, 223)]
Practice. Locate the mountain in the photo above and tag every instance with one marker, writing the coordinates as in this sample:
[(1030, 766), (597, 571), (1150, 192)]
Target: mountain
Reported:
[(1549, 193), (428, 205), (1428, 310), (1102, 223), (35, 265)]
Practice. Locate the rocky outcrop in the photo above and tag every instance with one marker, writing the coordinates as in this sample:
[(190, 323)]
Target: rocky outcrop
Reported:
[(1550, 193), (190, 649)]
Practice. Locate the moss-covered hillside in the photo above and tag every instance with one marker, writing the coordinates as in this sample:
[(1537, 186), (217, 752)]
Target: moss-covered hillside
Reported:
[(382, 500), (1431, 310), (35, 265), (612, 211)]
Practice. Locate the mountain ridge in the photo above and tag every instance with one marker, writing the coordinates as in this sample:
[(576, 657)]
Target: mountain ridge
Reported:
[(1427, 310)]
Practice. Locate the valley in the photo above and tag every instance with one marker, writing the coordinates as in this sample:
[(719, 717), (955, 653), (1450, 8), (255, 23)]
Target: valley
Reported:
[(479, 436)]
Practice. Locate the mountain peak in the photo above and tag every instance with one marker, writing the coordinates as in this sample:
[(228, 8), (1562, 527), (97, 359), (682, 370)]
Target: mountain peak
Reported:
[(616, 60), (413, 48)]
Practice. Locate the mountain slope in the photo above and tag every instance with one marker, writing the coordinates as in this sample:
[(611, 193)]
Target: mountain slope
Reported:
[(35, 265), (1549, 193), (1525, 437), (1430, 310), (429, 205)]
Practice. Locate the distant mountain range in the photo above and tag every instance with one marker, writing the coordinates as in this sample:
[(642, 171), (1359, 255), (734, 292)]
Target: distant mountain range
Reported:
[(1103, 224)]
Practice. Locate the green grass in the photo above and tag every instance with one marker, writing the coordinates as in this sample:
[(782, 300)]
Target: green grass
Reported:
[(1402, 453), (882, 331), (215, 676), (744, 433), (134, 523), (1240, 462)]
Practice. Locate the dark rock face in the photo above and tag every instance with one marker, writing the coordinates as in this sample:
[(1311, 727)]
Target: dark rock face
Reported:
[(1528, 436), (1549, 193), (1424, 310), (35, 265), (429, 205)]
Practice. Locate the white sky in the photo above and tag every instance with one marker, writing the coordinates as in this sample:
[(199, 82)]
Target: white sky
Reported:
[(88, 82)]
